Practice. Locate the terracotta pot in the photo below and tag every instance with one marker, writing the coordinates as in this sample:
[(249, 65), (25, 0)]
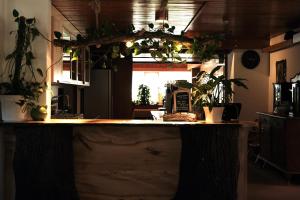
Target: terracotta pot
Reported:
[(215, 115), (10, 110)]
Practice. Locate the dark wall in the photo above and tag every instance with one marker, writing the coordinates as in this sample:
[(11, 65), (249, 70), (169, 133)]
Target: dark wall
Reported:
[(64, 92), (122, 86)]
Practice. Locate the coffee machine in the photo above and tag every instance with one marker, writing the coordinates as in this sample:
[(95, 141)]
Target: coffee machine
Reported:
[(295, 99), (282, 96)]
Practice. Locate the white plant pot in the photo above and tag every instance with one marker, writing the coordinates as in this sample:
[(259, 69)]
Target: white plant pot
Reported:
[(215, 115), (10, 111)]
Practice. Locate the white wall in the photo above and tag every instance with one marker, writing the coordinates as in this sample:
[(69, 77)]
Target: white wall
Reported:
[(41, 10), (256, 97), (59, 23), (292, 56), (2, 159), (1, 34)]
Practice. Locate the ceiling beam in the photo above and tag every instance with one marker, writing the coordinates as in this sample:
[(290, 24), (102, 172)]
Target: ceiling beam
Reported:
[(199, 11)]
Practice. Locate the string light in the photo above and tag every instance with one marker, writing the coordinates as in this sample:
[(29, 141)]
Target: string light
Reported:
[(129, 44), (178, 47)]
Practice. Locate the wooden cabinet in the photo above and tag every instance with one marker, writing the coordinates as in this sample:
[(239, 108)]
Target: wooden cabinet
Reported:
[(63, 68), (280, 142), (109, 94), (76, 67)]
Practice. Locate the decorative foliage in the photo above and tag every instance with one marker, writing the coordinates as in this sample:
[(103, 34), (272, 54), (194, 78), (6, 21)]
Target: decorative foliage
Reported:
[(143, 95), (20, 63), (212, 91), (161, 43)]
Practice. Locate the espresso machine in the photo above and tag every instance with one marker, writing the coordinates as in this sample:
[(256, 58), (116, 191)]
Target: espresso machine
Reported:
[(282, 98), (295, 112)]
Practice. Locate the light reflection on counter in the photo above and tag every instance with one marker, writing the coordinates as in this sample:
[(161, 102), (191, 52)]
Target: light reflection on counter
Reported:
[(120, 122)]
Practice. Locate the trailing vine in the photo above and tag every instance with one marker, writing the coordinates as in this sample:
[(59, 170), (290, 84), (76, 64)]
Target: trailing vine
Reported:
[(20, 62), (162, 44)]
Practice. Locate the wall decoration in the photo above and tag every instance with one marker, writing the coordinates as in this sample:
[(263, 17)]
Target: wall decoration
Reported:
[(281, 71), (250, 59)]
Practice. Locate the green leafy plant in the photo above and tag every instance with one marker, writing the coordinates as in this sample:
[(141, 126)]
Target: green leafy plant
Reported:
[(143, 95), (161, 42), (214, 91), (20, 69)]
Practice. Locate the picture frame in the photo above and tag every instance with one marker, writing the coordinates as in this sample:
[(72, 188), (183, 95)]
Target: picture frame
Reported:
[(281, 71), (182, 101)]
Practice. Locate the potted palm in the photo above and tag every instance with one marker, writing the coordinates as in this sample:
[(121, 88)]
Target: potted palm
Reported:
[(212, 93), (21, 90)]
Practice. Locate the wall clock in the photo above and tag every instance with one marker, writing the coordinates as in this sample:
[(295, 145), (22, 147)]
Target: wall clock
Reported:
[(250, 59)]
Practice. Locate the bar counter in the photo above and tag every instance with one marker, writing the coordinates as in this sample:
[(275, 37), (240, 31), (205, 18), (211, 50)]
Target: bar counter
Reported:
[(79, 122), (94, 159)]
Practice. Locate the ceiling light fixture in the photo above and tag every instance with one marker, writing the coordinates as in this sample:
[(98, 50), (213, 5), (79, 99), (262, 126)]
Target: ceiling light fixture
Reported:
[(161, 16)]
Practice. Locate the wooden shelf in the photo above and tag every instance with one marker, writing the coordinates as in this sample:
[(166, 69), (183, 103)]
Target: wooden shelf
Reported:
[(280, 46)]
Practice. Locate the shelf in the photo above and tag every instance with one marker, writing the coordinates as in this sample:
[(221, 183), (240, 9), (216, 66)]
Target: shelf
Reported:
[(280, 46)]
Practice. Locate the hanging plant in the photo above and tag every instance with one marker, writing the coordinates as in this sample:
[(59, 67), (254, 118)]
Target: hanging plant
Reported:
[(162, 44)]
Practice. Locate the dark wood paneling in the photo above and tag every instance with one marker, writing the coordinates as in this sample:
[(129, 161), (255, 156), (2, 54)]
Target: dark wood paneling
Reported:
[(43, 163), (122, 84), (239, 19)]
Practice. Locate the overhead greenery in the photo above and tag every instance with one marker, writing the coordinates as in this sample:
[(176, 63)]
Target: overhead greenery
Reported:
[(161, 43)]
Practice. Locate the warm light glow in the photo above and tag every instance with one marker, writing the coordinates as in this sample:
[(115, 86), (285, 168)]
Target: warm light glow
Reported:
[(129, 44), (161, 22), (178, 47)]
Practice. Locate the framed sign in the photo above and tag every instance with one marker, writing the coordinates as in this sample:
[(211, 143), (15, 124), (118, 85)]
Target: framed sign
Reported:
[(182, 101), (281, 71)]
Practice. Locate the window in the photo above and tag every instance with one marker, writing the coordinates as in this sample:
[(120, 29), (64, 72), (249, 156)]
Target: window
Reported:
[(156, 81)]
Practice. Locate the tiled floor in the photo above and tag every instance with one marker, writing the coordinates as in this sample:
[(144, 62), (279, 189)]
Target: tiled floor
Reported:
[(268, 184)]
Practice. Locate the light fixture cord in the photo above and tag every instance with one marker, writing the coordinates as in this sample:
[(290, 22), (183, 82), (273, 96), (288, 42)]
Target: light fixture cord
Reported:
[(96, 6)]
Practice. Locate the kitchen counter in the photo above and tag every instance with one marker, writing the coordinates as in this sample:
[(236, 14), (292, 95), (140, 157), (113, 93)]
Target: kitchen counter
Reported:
[(125, 159), (280, 116), (126, 122)]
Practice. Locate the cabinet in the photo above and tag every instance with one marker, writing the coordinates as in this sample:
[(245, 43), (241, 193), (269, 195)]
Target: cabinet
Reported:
[(65, 69), (98, 97), (71, 68), (280, 142), (76, 67), (109, 94)]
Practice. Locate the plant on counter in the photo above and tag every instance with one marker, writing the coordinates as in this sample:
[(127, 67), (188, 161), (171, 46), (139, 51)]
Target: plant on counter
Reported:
[(212, 91), (143, 95), (22, 80)]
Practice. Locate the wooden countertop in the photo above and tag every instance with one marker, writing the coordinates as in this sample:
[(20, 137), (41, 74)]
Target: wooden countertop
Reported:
[(278, 115), (122, 122)]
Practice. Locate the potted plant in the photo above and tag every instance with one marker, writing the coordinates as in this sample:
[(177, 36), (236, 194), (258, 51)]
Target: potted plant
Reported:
[(212, 93), (20, 93), (143, 95)]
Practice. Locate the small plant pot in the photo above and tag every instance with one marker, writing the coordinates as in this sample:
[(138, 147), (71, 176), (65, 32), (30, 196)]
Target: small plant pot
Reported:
[(214, 115), (37, 114)]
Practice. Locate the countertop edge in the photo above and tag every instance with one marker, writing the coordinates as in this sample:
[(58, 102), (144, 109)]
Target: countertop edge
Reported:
[(119, 122)]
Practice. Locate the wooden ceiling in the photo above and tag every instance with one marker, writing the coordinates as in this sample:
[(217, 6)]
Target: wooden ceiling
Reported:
[(246, 23)]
